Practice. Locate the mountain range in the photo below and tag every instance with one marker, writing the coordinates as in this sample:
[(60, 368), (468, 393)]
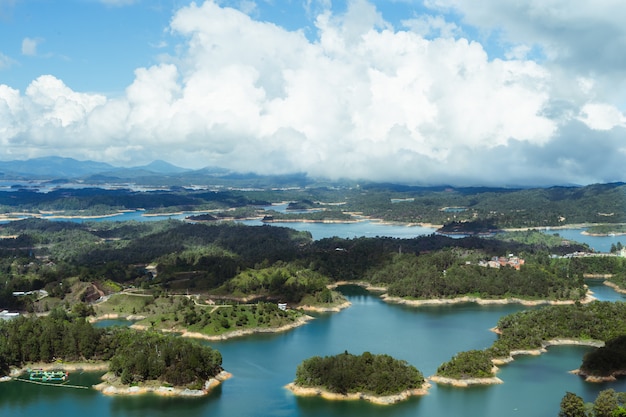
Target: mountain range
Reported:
[(60, 169)]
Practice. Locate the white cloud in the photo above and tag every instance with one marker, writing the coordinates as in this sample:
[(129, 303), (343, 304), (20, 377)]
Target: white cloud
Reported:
[(585, 37), (432, 26), (29, 46), (600, 116), (364, 100)]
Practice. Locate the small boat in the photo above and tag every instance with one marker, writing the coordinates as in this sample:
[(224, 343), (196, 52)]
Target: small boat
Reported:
[(45, 376)]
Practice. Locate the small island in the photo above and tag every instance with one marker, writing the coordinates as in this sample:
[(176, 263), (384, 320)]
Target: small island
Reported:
[(380, 379), (473, 367)]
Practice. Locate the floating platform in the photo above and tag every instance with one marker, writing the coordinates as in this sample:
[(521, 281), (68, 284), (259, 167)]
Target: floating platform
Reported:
[(47, 376)]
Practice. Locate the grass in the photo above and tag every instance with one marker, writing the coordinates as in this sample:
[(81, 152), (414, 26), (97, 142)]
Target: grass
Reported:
[(179, 313)]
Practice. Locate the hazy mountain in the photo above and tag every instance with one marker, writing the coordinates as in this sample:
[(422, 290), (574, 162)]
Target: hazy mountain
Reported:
[(50, 167), (162, 167), (54, 167)]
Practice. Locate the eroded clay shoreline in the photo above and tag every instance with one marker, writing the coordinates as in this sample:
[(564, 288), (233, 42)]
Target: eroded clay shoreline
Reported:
[(466, 382), (481, 301), (382, 400), (112, 385), (457, 300)]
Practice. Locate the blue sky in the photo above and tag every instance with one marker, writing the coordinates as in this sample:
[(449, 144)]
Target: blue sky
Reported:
[(414, 91)]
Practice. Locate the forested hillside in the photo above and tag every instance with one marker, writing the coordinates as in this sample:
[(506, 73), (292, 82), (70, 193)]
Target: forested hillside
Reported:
[(77, 261), (498, 207)]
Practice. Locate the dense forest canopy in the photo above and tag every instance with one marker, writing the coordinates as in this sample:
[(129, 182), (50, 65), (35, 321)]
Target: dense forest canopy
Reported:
[(134, 356), (499, 207), (278, 262), (366, 373)]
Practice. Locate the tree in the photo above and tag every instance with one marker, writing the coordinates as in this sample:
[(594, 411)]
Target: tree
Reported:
[(605, 403), (572, 406)]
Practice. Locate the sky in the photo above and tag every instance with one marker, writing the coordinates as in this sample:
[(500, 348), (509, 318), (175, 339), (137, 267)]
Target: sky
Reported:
[(427, 92)]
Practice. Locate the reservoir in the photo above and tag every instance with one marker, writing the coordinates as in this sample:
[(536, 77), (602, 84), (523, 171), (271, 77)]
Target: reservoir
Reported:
[(263, 364)]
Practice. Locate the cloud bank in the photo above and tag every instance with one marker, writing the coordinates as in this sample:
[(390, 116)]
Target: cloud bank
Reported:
[(362, 100)]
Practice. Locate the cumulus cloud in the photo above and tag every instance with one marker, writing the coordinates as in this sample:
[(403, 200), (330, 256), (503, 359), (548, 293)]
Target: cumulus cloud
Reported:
[(363, 100), (588, 37)]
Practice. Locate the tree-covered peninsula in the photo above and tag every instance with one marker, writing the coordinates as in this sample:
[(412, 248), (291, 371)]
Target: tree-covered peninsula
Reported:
[(605, 363), (133, 357), (533, 330), (377, 378), (462, 272)]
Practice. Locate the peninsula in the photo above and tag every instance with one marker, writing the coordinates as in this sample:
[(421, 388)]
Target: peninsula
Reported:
[(530, 332)]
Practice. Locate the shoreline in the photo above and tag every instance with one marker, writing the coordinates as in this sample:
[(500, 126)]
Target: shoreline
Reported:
[(63, 366), (544, 348), (615, 287), (480, 301), (334, 309), (599, 379), (362, 284), (458, 300), (376, 399), (111, 386), (465, 383)]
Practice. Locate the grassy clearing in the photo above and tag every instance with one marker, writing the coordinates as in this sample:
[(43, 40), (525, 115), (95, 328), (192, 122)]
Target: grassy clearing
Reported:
[(180, 313)]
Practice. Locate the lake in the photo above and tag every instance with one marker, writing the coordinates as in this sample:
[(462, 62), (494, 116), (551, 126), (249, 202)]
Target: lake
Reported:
[(425, 337), (261, 365)]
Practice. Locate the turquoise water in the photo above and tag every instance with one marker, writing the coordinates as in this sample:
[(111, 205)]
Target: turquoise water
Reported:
[(261, 366)]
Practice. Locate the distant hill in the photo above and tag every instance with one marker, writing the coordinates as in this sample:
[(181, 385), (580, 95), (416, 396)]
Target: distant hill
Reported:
[(162, 167), (54, 167), (157, 173), (51, 167)]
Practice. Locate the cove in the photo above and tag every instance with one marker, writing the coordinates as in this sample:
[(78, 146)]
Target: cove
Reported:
[(262, 364)]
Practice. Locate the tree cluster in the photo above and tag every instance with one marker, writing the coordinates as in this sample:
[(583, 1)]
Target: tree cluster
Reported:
[(448, 274), (608, 403), (607, 360), (469, 364), (367, 373), (134, 356), (142, 356)]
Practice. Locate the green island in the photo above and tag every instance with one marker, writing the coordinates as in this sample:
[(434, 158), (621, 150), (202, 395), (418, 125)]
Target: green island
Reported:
[(473, 367), (136, 362), (376, 378)]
